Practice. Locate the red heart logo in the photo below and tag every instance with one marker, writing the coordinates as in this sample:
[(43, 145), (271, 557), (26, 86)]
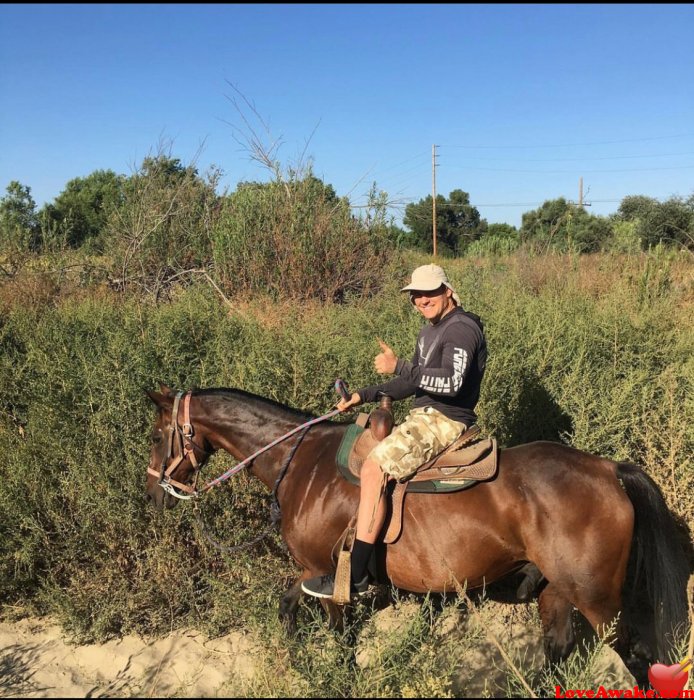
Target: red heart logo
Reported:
[(669, 681)]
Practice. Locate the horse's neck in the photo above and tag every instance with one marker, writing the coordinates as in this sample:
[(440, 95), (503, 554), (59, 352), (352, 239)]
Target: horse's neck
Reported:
[(242, 424)]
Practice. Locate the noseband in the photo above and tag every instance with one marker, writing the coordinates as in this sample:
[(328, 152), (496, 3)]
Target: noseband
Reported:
[(180, 446)]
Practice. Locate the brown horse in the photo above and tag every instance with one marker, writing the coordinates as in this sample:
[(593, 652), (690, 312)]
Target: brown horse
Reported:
[(599, 531)]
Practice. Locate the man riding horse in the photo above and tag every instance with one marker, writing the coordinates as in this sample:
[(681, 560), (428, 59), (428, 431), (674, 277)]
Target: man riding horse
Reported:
[(602, 557), (445, 376)]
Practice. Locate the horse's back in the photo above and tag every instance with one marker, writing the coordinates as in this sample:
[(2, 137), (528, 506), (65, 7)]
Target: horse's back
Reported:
[(544, 496), (546, 499)]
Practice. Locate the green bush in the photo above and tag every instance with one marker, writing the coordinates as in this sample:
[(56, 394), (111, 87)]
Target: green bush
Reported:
[(296, 240), (592, 351), (161, 229)]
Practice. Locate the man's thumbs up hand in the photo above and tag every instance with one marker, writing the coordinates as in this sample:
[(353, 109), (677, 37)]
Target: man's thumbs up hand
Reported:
[(386, 361)]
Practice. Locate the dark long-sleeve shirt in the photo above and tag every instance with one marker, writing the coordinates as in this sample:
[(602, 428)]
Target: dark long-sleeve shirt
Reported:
[(446, 370)]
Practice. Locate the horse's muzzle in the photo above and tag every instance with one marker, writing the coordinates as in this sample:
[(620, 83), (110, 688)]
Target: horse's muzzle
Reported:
[(159, 498)]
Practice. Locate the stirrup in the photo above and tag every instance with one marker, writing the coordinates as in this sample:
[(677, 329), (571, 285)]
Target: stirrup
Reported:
[(324, 587)]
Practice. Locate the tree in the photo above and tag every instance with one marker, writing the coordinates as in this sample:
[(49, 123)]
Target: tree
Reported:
[(669, 222), (18, 218), (541, 225), (458, 223), (81, 210), (634, 207), (562, 226), (164, 168)]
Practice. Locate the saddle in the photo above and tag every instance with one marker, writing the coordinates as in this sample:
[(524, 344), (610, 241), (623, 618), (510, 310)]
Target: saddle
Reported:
[(467, 461)]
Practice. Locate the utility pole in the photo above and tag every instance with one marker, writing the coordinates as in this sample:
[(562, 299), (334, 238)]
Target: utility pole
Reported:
[(580, 202), (433, 194)]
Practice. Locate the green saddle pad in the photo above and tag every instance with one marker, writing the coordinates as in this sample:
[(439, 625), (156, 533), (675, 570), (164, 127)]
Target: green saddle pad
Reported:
[(350, 437)]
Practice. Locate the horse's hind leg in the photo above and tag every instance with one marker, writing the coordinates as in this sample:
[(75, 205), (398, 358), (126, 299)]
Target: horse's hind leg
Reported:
[(632, 651), (602, 613), (638, 656), (555, 613)]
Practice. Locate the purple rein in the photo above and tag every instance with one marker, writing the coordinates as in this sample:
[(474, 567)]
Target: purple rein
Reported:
[(241, 465)]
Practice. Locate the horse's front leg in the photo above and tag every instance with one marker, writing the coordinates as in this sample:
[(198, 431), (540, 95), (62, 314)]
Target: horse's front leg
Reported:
[(289, 603)]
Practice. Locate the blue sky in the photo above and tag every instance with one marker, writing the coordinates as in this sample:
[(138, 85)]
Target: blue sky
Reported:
[(521, 100)]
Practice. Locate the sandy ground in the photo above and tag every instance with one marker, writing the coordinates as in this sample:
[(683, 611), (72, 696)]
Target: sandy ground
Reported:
[(37, 661)]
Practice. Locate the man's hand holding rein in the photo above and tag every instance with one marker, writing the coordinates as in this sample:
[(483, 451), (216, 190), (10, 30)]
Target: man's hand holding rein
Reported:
[(354, 400)]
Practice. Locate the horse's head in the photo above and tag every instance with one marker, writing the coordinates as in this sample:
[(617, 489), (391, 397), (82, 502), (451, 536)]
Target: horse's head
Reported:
[(177, 453)]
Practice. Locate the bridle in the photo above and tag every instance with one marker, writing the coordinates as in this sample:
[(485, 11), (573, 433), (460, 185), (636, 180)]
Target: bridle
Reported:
[(180, 446)]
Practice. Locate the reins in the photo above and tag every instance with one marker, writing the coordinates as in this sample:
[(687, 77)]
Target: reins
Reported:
[(181, 445), (275, 509), (248, 460)]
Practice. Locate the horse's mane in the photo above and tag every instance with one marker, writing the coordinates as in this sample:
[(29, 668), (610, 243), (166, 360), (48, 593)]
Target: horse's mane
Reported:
[(230, 394)]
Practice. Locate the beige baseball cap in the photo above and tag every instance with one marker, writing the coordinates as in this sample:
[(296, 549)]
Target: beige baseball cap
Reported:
[(427, 278)]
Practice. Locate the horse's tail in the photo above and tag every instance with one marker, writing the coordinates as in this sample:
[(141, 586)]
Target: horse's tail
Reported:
[(660, 559)]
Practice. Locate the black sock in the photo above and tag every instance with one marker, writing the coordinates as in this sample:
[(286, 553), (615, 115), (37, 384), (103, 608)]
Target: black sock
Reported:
[(361, 553)]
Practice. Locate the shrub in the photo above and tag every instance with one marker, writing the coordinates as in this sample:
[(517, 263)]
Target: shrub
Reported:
[(593, 351), (162, 228), (296, 240)]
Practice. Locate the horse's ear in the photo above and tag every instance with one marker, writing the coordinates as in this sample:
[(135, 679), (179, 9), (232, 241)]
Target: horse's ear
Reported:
[(160, 400), (165, 390)]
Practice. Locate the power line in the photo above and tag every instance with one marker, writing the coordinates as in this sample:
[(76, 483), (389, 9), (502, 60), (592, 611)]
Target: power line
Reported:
[(417, 160), (407, 160), (572, 145), (522, 204), (557, 160), (571, 172), (409, 171)]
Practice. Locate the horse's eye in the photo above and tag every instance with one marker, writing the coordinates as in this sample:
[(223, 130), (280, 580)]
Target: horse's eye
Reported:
[(156, 439)]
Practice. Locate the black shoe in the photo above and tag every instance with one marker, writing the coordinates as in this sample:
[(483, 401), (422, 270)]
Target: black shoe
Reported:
[(323, 586)]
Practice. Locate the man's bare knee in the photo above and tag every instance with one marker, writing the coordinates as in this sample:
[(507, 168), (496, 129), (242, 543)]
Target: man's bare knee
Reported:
[(371, 473)]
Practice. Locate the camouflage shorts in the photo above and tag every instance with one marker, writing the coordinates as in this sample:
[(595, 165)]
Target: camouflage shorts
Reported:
[(424, 433)]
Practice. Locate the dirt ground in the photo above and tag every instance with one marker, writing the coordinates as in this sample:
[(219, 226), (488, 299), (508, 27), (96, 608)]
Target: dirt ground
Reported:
[(37, 661)]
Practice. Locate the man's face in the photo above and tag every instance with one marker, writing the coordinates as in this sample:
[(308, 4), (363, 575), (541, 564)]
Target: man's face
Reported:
[(434, 305)]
